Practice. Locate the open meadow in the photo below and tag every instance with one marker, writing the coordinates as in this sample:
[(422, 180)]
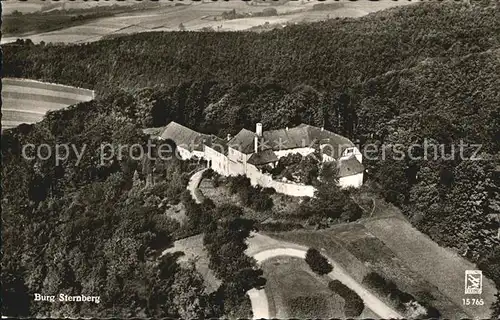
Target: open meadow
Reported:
[(438, 266), (27, 101), (9, 6), (193, 250), (200, 16), (294, 291), (400, 253)]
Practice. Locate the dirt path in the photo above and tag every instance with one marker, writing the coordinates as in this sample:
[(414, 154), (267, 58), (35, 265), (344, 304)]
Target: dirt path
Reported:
[(262, 247), (193, 184)]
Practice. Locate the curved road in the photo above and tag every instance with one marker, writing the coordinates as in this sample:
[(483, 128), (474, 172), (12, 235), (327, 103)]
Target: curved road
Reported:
[(271, 248), (262, 248)]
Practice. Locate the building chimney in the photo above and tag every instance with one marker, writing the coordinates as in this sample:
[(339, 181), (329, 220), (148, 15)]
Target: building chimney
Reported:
[(256, 144), (228, 137), (258, 129)]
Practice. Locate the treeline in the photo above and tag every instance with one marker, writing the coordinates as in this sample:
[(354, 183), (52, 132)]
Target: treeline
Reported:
[(330, 55), (225, 232), (404, 302), (450, 192), (18, 23), (410, 75), (225, 242), (353, 304), (83, 226), (101, 239)]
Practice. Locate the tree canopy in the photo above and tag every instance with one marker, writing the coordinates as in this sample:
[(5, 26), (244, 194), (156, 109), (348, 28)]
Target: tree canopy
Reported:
[(404, 76)]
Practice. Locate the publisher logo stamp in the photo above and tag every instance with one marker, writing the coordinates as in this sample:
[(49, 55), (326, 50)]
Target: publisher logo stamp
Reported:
[(473, 282)]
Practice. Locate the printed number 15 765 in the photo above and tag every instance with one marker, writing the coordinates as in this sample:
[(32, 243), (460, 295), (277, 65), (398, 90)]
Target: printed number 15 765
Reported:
[(472, 302)]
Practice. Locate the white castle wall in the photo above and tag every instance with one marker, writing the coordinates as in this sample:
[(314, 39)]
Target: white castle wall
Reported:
[(266, 181), (294, 190), (218, 161), (184, 153), (199, 154), (236, 164), (228, 167), (356, 181)]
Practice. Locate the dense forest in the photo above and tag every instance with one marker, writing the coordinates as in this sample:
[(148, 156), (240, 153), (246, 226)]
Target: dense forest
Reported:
[(86, 226), (427, 72), (331, 55)]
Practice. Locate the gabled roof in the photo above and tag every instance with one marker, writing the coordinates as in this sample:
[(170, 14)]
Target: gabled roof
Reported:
[(305, 135), (153, 133), (350, 166), (263, 157), (185, 137), (301, 136), (218, 144), (283, 139), (243, 141)]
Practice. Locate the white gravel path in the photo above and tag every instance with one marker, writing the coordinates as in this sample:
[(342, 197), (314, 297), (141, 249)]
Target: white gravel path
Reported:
[(193, 184), (273, 248)]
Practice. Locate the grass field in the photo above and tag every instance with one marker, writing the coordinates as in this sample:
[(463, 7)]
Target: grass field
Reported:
[(294, 291), (194, 251), (438, 266), (391, 247), (196, 16), (27, 101), (9, 6)]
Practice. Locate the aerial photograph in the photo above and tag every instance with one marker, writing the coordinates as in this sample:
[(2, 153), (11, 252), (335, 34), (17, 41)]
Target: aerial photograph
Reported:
[(250, 159)]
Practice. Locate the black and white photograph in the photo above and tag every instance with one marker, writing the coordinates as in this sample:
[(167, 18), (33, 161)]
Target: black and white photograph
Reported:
[(250, 159)]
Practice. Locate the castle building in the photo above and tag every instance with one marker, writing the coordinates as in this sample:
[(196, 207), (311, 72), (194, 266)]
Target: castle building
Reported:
[(248, 152)]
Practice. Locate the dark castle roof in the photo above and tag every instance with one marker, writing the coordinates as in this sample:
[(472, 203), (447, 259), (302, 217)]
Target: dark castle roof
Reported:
[(185, 137), (350, 166), (263, 157), (302, 136), (243, 141)]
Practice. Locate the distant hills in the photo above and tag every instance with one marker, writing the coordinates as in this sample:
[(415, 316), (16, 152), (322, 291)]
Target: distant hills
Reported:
[(79, 22)]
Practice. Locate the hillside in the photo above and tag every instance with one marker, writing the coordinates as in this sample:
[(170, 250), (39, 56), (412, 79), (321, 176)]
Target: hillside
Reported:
[(84, 21), (393, 248), (27, 101), (337, 53), (9, 7), (419, 73)]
